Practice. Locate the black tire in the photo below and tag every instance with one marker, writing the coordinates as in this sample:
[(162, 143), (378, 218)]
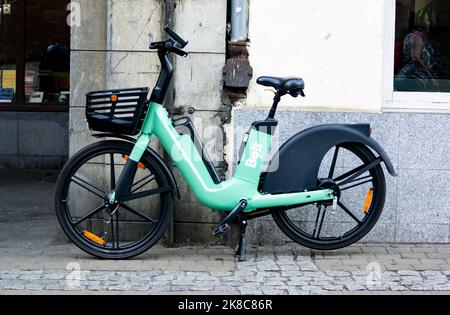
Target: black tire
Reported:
[(297, 234), (115, 251)]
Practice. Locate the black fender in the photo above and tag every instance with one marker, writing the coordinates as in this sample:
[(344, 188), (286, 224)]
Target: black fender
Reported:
[(150, 151), (295, 166)]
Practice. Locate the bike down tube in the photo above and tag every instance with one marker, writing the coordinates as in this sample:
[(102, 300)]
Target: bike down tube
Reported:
[(225, 195)]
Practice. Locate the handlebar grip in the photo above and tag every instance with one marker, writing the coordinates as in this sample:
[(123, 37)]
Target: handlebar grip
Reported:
[(175, 36)]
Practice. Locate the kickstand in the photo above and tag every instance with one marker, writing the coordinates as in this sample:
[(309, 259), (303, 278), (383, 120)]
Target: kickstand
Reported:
[(242, 241)]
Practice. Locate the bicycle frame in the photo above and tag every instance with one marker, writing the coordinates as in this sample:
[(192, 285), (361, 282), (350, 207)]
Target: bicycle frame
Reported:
[(227, 194)]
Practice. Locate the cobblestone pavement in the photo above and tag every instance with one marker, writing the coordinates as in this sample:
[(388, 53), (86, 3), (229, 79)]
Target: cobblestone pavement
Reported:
[(361, 268)]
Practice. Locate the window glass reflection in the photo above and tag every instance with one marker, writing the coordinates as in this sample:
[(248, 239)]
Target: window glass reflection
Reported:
[(422, 46)]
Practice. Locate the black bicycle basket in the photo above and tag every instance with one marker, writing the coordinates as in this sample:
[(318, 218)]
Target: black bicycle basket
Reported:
[(120, 111)]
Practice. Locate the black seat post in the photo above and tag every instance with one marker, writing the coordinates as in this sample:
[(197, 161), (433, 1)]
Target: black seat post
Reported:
[(276, 100)]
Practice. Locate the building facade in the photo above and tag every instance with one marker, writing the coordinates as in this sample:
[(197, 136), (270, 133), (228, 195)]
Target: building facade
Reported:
[(353, 55)]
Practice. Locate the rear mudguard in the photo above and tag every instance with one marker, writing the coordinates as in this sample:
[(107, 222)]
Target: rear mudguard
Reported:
[(295, 166), (150, 151)]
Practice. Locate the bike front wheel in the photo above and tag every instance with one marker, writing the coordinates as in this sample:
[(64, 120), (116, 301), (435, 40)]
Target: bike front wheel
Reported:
[(109, 231), (359, 204)]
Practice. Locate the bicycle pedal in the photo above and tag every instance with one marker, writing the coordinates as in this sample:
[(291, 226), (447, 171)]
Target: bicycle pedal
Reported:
[(221, 229)]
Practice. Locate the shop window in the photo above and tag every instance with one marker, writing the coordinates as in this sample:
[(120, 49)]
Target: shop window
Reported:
[(422, 46), (8, 53), (34, 55)]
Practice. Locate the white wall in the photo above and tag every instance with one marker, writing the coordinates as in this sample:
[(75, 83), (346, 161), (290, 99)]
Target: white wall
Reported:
[(335, 46)]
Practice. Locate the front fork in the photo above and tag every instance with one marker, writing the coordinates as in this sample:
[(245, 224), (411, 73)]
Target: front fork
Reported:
[(126, 178)]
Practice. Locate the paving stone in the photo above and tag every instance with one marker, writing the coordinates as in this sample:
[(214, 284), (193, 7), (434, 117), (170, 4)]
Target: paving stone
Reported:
[(273, 290), (442, 287), (274, 276), (421, 287), (13, 285), (424, 249), (352, 286)]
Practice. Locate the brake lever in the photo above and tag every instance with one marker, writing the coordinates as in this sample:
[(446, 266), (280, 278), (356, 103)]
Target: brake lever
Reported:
[(179, 52), (157, 45)]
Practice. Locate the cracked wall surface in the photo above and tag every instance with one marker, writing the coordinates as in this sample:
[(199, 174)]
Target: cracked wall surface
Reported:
[(110, 50)]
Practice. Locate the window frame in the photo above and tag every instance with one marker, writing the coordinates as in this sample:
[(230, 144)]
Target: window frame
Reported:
[(397, 101), (19, 105)]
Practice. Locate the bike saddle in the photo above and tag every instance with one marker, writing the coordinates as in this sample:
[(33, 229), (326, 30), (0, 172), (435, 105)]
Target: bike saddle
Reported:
[(292, 85)]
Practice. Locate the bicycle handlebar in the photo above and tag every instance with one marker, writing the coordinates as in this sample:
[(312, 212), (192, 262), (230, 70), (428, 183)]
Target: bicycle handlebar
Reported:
[(174, 44), (175, 36)]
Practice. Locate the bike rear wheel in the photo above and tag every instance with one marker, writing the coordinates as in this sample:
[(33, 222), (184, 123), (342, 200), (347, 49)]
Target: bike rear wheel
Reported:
[(112, 231), (359, 205)]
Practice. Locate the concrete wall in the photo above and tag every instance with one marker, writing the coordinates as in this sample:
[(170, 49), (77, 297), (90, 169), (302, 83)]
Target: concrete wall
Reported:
[(336, 46), (198, 84), (110, 50), (33, 140)]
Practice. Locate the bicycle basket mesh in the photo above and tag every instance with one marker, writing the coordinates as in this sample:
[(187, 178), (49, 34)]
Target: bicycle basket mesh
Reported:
[(120, 111)]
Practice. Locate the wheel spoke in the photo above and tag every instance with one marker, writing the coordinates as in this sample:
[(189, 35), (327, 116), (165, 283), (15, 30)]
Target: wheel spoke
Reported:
[(88, 186), (147, 179), (114, 230), (147, 193), (138, 213), (333, 163), (117, 229), (89, 214), (357, 184), (321, 222), (355, 173), (319, 209), (113, 172), (340, 204)]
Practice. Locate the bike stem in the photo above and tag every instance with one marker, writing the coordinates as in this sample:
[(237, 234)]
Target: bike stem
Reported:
[(126, 178)]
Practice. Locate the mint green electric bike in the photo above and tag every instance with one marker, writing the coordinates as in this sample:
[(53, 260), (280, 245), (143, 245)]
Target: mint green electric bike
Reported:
[(325, 187)]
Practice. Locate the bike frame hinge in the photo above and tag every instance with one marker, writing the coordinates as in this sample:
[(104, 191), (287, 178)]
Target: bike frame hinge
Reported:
[(111, 197)]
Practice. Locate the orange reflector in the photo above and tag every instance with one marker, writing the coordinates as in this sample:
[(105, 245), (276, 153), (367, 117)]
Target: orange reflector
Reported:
[(94, 238), (114, 98), (368, 200), (140, 164)]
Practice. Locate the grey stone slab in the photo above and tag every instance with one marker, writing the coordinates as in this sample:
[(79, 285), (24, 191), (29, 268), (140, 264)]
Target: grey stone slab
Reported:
[(131, 26), (267, 232), (423, 197), (381, 232), (385, 130), (90, 34), (131, 69), (33, 162), (203, 23), (79, 133), (88, 73), (197, 232), (292, 122), (42, 137), (8, 137), (198, 81), (424, 141), (422, 233)]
